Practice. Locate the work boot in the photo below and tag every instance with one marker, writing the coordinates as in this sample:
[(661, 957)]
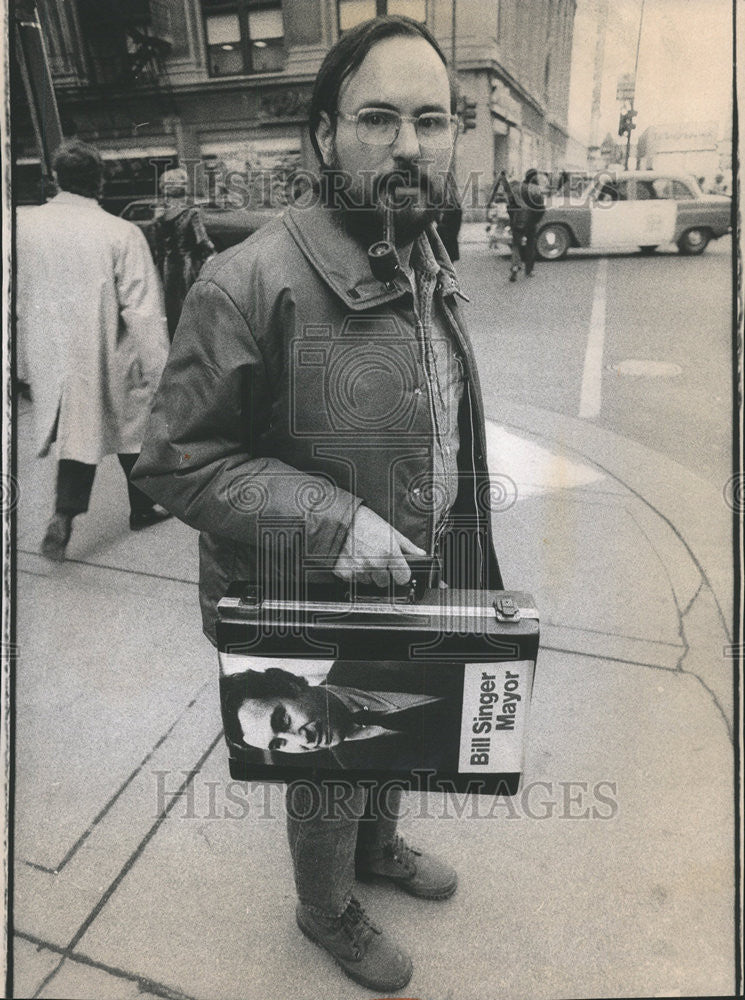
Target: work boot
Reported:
[(363, 951), (56, 538), (415, 872)]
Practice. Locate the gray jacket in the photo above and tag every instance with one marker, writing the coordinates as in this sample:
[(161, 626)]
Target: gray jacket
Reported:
[(293, 393)]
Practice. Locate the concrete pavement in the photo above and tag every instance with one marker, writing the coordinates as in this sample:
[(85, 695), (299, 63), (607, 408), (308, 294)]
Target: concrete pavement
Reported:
[(610, 875)]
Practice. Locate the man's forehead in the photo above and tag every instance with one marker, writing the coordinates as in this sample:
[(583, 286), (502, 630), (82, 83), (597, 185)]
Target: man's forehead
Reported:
[(254, 716), (403, 71)]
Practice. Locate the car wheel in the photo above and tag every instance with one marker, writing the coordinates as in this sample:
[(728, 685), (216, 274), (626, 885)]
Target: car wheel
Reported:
[(649, 250), (694, 242), (553, 242)]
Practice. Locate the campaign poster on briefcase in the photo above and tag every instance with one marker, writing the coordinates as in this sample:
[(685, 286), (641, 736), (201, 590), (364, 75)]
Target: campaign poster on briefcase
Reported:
[(437, 725)]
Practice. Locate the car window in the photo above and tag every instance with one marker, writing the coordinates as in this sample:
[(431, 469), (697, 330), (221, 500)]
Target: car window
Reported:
[(663, 187), (139, 213), (681, 191), (613, 191), (645, 190)]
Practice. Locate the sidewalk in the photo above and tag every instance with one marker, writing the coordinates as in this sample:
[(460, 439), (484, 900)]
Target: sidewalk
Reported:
[(611, 875)]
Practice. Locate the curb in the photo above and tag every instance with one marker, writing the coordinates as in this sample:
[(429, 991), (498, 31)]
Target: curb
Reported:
[(693, 510)]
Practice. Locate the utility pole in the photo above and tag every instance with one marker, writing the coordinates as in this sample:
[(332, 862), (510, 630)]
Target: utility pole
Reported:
[(37, 83), (453, 65), (631, 109), (453, 26)]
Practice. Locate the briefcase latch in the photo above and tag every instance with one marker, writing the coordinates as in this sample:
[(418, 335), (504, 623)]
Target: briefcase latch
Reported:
[(506, 609)]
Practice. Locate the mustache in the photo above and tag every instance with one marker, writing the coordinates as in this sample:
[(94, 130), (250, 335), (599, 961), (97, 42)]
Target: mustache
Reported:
[(402, 187), (407, 186)]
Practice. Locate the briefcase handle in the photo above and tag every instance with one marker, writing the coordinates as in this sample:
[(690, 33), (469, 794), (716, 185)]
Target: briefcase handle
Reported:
[(425, 574)]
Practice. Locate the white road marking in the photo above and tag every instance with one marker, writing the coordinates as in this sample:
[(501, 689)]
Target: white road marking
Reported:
[(592, 375)]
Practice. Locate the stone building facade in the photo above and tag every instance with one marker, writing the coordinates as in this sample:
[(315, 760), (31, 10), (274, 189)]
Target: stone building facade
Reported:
[(226, 83)]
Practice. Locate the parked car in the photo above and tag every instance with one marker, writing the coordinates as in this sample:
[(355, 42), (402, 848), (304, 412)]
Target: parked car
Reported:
[(225, 226), (641, 208)]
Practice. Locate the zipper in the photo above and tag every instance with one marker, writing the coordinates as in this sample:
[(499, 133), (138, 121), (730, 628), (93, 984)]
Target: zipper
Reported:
[(431, 529), (467, 389)]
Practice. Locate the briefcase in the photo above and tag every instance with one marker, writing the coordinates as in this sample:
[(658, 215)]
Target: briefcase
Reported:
[(429, 686)]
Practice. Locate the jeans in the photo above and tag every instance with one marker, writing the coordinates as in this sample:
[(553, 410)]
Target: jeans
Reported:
[(331, 826), (75, 482)]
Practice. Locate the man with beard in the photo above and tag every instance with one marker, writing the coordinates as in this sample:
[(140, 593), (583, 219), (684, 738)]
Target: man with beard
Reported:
[(315, 421)]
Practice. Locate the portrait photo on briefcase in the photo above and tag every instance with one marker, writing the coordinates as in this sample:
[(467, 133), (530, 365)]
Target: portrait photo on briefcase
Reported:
[(432, 719)]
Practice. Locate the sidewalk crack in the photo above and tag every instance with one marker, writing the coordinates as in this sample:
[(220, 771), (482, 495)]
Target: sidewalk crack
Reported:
[(569, 449), (127, 866), (144, 984), (118, 793), (690, 604), (682, 613)]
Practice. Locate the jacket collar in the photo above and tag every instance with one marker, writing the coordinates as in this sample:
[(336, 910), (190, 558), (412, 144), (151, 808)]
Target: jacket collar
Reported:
[(79, 200), (381, 702), (342, 262)]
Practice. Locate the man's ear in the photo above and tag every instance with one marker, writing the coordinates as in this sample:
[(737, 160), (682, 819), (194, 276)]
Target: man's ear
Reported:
[(325, 138)]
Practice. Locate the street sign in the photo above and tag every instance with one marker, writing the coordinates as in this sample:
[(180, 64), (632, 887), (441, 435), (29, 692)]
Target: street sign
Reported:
[(626, 87)]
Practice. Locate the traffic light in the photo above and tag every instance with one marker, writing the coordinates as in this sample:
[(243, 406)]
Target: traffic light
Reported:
[(468, 114), (626, 122)]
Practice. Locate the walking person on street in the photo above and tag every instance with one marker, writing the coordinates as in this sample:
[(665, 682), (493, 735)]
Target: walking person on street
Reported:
[(91, 324), (265, 416), (179, 243), (525, 208)]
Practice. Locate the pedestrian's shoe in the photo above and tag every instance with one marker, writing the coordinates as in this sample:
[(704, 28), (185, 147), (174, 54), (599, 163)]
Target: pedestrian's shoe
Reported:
[(56, 538), (513, 273), (528, 273), (364, 952), (146, 518), (415, 872)]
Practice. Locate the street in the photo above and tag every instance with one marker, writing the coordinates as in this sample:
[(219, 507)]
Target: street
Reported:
[(142, 871), (531, 339), (602, 460)]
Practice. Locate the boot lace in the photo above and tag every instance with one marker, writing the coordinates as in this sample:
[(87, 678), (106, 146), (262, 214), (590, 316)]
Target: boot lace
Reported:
[(357, 925), (403, 855)]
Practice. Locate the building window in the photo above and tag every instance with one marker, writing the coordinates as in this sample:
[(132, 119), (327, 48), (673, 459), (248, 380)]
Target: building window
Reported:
[(353, 12), (243, 36)]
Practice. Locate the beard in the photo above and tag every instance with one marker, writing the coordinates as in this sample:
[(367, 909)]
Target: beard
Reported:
[(416, 200)]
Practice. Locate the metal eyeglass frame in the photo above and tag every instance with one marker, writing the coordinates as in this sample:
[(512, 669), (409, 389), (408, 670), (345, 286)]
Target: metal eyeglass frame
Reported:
[(453, 120)]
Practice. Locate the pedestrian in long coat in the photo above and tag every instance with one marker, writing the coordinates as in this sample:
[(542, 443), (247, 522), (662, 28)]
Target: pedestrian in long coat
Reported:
[(179, 244), (91, 326)]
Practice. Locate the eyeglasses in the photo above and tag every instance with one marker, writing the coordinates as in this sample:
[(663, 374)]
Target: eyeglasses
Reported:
[(380, 126)]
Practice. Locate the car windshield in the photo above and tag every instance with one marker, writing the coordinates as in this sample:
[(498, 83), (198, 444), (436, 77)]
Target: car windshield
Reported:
[(569, 183), (694, 185), (139, 211)]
